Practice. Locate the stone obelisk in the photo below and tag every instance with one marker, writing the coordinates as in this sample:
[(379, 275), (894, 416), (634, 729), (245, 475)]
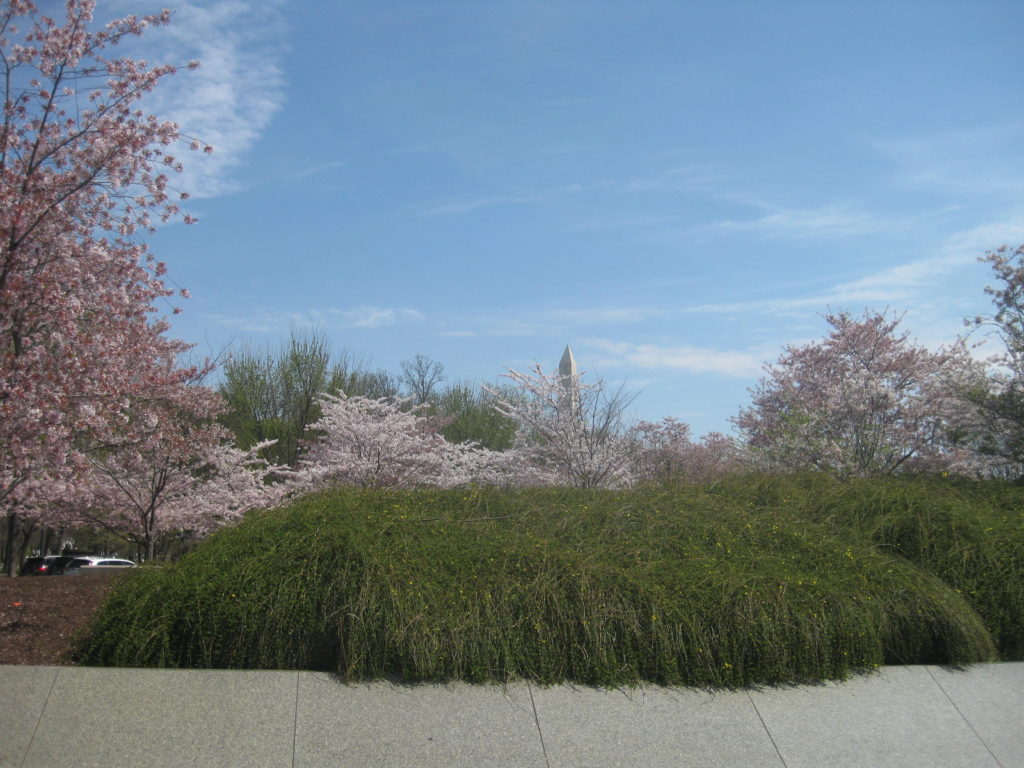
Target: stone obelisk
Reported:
[(567, 365), (569, 379)]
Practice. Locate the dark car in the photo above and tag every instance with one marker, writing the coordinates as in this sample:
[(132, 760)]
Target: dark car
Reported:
[(37, 566), (62, 565)]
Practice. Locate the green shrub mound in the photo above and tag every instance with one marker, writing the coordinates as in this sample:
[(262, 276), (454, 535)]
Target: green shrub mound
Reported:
[(689, 587), (968, 534)]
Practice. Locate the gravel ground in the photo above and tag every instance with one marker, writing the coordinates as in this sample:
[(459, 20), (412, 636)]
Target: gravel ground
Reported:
[(39, 615)]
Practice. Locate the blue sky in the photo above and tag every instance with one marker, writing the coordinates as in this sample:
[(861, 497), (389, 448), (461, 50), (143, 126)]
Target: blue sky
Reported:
[(677, 189)]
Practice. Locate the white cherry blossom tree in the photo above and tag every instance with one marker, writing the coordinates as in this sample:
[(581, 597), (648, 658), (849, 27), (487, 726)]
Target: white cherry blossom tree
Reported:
[(379, 443), (571, 429), (865, 400)]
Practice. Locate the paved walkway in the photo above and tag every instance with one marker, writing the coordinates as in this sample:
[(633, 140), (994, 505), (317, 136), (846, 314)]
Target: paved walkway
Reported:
[(52, 717)]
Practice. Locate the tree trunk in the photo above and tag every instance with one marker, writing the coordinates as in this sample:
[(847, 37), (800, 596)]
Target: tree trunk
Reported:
[(10, 564), (26, 541)]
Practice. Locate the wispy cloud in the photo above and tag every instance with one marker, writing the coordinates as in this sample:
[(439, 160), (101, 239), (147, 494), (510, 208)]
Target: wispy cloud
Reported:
[(514, 326), (895, 286), (894, 283), (984, 237), (778, 305), (546, 322), (626, 220), (248, 323), (604, 315), (307, 172), (981, 160), (685, 178), (375, 317), (231, 99), (825, 221), (267, 320), (470, 204), (737, 363), (554, 150), (884, 288)]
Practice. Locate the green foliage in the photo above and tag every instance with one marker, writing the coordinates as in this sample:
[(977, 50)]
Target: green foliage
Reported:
[(470, 415), (753, 580), (273, 394), (355, 381), (968, 534)]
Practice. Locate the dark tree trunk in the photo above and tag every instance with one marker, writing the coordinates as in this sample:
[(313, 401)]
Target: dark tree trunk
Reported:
[(26, 541), (10, 566)]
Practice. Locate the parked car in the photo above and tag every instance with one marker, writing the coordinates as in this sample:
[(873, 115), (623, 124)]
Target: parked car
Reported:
[(94, 562), (37, 566), (61, 565)]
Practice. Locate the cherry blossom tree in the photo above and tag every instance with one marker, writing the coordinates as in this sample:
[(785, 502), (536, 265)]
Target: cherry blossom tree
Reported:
[(665, 454), (863, 401), (570, 428), (996, 426), (83, 173), (380, 443), (183, 474)]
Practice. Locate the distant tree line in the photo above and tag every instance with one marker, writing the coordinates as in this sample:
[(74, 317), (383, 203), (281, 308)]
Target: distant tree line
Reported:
[(864, 400), (276, 393)]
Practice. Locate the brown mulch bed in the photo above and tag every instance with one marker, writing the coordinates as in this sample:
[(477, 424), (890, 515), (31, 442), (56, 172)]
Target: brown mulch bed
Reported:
[(39, 615)]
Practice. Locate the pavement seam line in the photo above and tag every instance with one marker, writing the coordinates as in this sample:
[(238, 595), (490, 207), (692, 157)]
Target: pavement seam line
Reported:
[(765, 726), (295, 719), (536, 721), (976, 734), (42, 714)]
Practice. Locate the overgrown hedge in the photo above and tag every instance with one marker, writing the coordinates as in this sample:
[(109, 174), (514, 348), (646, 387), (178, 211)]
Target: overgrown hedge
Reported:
[(754, 580), (969, 534)]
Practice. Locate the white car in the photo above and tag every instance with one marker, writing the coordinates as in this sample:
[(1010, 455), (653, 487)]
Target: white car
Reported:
[(88, 562)]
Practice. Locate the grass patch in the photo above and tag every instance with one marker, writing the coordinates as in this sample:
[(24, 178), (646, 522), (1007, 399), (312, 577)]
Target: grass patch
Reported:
[(744, 583)]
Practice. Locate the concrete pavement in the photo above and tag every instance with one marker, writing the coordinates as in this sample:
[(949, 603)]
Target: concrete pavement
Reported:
[(914, 716)]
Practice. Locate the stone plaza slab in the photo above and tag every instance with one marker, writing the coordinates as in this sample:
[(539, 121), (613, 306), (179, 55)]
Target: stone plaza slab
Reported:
[(898, 717), (164, 718), (651, 727), (123, 718), (443, 726), (990, 697), (23, 694)]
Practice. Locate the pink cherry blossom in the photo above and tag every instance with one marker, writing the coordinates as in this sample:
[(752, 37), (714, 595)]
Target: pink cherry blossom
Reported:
[(78, 185), (180, 480), (664, 453), (863, 401)]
